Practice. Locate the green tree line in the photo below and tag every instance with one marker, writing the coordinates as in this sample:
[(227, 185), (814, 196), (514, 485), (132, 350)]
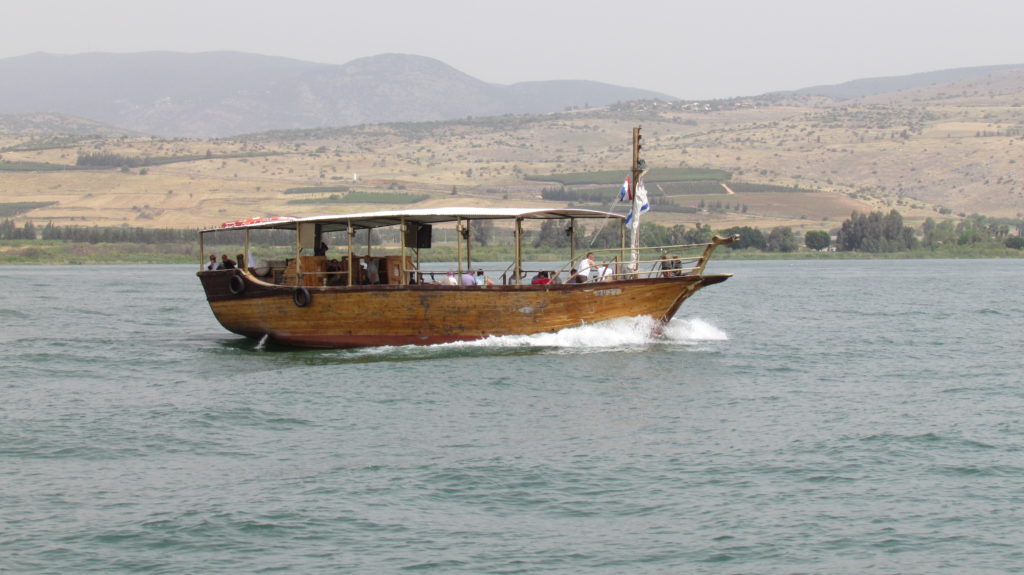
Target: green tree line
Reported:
[(878, 232), (9, 230), (874, 232)]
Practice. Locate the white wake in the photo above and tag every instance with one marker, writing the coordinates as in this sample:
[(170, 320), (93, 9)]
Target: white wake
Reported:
[(623, 332)]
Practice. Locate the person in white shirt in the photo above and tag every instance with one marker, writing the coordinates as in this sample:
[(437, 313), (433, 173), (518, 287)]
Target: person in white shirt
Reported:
[(371, 265), (213, 264), (586, 266)]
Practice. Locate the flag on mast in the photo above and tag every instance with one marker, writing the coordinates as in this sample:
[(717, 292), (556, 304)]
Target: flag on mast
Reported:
[(641, 195)]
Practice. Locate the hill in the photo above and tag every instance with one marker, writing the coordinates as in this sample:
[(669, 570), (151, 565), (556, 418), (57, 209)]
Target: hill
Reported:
[(218, 94), (801, 160), (867, 87), (44, 125)]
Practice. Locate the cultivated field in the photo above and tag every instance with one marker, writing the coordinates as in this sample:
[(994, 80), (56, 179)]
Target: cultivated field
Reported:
[(928, 153)]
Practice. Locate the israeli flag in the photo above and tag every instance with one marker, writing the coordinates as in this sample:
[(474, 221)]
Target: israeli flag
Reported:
[(624, 192), (641, 193), (645, 206)]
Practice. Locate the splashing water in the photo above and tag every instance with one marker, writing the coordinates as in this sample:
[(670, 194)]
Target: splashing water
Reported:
[(623, 332), (692, 331)]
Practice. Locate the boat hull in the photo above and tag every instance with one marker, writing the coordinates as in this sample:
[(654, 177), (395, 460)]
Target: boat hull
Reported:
[(361, 316)]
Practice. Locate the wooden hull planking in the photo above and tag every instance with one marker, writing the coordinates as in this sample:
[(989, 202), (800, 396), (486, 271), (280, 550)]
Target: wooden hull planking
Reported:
[(360, 316)]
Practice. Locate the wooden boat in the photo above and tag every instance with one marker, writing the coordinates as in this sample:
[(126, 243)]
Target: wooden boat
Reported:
[(313, 300)]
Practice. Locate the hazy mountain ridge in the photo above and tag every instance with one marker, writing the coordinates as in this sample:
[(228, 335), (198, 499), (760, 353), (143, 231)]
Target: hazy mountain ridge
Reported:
[(867, 87), (225, 93), (44, 125), (918, 144)]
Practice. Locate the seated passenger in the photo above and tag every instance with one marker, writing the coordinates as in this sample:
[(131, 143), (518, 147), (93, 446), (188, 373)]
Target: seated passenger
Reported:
[(468, 279), (213, 264), (226, 263), (665, 266), (334, 272), (677, 266), (541, 278)]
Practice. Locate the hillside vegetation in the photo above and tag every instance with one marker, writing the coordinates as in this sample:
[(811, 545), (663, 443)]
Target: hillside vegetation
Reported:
[(940, 151)]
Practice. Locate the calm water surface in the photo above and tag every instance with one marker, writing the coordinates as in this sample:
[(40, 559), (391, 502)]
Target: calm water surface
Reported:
[(803, 417)]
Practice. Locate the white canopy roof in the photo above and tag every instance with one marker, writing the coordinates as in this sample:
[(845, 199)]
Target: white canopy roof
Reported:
[(421, 216)]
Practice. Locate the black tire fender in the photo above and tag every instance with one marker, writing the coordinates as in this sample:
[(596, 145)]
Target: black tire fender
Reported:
[(302, 297), (236, 284)]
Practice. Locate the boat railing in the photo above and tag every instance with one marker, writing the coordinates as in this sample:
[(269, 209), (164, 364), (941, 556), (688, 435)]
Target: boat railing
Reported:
[(507, 275), (654, 261)]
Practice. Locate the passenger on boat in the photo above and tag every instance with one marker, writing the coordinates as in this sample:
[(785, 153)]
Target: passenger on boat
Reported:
[(214, 264), (451, 279), (572, 276), (321, 251), (665, 266), (541, 278), (226, 263), (677, 266), (371, 265), (587, 265), (468, 279), (482, 280), (335, 273)]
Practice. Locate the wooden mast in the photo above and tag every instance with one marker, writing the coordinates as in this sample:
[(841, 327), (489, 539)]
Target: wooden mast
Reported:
[(637, 171)]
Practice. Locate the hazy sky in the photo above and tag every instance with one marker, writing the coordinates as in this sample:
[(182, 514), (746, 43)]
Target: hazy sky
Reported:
[(688, 49)]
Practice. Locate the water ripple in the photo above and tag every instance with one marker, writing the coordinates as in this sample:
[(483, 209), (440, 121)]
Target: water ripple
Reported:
[(803, 417)]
